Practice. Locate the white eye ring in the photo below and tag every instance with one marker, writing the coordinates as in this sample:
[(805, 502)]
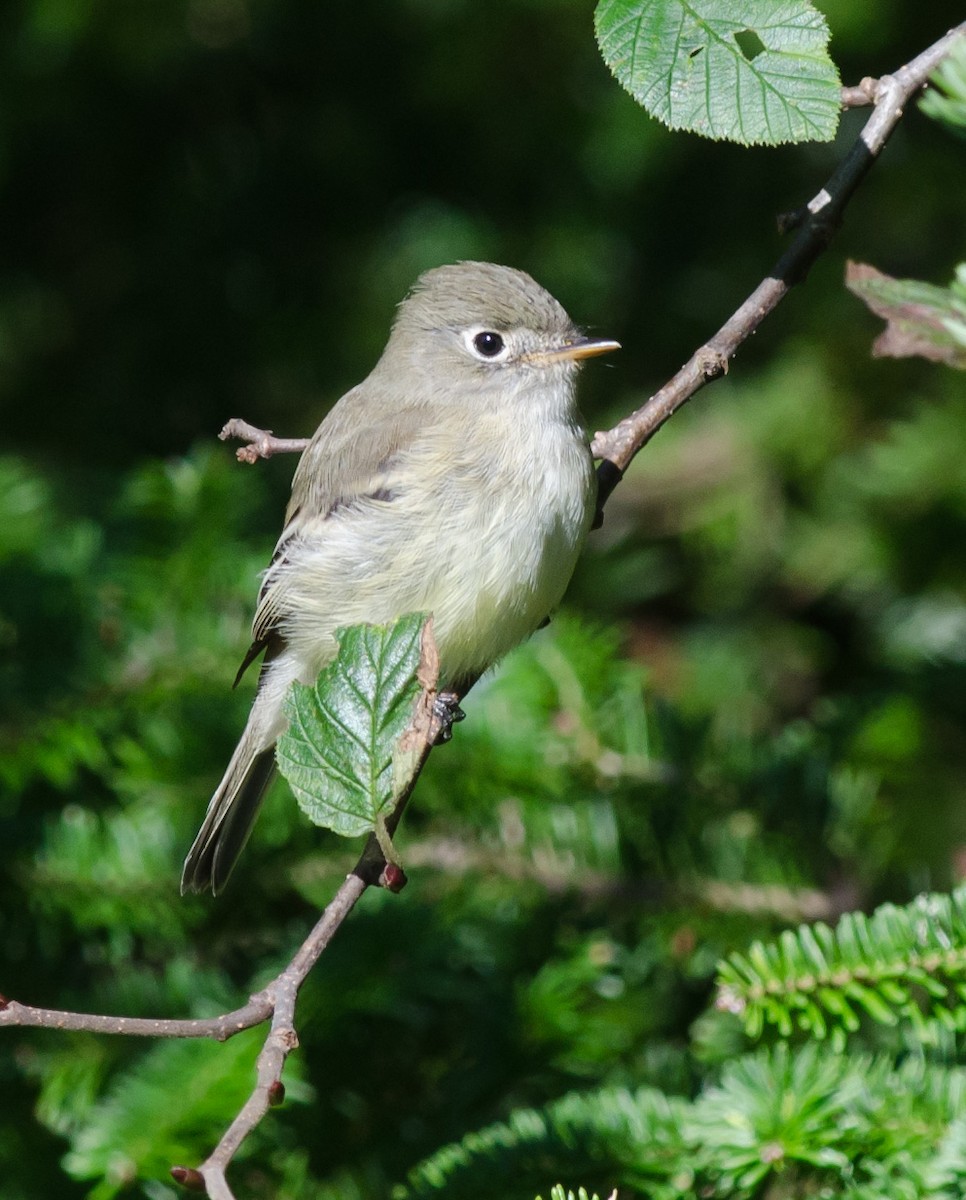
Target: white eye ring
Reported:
[(487, 345)]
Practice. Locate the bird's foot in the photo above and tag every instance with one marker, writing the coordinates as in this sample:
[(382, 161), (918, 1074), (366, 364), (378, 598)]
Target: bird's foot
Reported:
[(446, 709)]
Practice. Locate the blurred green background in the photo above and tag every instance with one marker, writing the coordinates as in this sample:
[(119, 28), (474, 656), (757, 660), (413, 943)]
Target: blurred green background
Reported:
[(751, 712)]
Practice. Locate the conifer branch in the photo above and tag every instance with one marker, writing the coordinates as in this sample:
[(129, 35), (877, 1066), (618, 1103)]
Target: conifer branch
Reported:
[(897, 964)]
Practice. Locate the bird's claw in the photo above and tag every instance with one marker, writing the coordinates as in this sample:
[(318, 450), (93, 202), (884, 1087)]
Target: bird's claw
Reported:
[(446, 709)]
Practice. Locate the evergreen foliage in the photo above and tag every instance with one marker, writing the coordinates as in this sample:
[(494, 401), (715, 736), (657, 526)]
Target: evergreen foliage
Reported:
[(901, 964), (744, 732), (946, 100), (557, 1193), (793, 1120)]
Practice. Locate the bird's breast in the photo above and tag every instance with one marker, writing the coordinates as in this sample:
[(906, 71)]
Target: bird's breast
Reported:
[(482, 530), (512, 538)]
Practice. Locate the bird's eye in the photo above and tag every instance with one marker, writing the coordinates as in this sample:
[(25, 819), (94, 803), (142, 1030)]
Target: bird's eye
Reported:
[(488, 344)]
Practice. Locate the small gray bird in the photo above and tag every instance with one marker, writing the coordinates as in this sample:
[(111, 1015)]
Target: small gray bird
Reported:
[(456, 480)]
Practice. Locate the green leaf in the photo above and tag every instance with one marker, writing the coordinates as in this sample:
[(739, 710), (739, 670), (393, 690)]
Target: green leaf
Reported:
[(748, 71), (339, 750)]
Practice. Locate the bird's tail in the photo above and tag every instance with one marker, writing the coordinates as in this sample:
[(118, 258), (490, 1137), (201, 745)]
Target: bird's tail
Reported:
[(230, 815)]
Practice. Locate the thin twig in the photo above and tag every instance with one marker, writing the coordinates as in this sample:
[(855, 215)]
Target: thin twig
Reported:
[(259, 1008), (278, 999), (555, 875), (221, 1028), (617, 447), (282, 1039), (262, 443), (370, 870), (862, 94)]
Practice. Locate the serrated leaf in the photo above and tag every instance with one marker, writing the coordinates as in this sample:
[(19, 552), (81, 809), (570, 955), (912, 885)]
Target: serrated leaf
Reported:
[(338, 751), (747, 71)]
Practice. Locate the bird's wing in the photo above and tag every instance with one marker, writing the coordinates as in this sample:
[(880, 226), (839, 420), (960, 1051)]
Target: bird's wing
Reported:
[(354, 455)]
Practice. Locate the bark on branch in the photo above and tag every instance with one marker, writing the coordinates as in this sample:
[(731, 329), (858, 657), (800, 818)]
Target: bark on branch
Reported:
[(816, 223), (276, 1001), (260, 443)]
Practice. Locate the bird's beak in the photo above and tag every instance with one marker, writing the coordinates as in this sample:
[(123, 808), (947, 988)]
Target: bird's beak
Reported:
[(572, 351)]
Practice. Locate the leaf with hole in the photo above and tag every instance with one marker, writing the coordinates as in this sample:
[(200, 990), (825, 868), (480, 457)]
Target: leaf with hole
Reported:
[(748, 71)]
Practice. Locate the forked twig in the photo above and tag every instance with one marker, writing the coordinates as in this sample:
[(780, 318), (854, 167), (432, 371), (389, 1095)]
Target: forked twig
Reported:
[(278, 999), (260, 443)]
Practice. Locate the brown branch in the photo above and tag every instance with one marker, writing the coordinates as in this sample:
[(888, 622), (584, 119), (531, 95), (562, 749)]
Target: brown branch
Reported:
[(816, 224), (278, 999), (862, 94), (262, 443), (220, 1028), (282, 1039), (371, 869)]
